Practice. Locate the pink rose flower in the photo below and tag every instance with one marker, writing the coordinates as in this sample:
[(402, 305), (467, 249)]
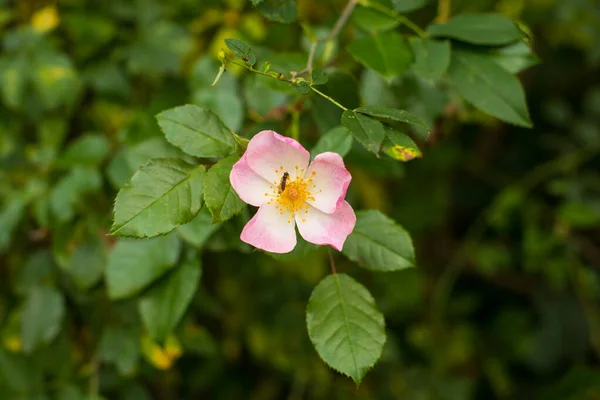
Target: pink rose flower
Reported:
[(274, 175)]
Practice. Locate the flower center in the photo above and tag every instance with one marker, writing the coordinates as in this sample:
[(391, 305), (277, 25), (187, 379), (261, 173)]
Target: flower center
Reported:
[(295, 195), (292, 192)]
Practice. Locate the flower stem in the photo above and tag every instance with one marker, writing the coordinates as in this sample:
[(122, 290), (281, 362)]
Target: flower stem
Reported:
[(332, 263)]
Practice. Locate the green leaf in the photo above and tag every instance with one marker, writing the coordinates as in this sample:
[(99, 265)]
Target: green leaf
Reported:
[(163, 306), (404, 6), (400, 146), (222, 201), (54, 79), (302, 86), (219, 75), (432, 57), (13, 80), (197, 131), (69, 192), (88, 150), (283, 11), (162, 195), (515, 57), (36, 269), (87, 264), (318, 77), (379, 243), (345, 326), (126, 162), (489, 87), (199, 230), (120, 346), (387, 53), (41, 317), (16, 371), (387, 115), (482, 29), (225, 101), (134, 264), (368, 131), (339, 140), (371, 20), (160, 48), (242, 50), (70, 392), (10, 216)]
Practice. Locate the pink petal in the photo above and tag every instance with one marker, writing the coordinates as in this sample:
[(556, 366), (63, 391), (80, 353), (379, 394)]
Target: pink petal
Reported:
[(270, 230), (331, 180), (269, 152), (320, 228), (250, 186)]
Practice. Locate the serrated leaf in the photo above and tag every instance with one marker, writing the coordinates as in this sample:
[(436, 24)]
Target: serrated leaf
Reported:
[(135, 264), (41, 317), (339, 140), (387, 114), (489, 87), (481, 29), (432, 57), (345, 326), (368, 131), (222, 201), (379, 243), (400, 146), (197, 131), (242, 50), (318, 77), (162, 307), (162, 195), (385, 52)]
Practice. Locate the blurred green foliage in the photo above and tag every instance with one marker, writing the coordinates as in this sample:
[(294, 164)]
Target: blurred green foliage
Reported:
[(504, 302)]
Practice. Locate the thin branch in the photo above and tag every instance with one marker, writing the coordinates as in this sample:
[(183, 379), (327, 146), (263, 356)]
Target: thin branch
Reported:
[(94, 384), (280, 77), (328, 98), (339, 24), (443, 11), (332, 263), (342, 19)]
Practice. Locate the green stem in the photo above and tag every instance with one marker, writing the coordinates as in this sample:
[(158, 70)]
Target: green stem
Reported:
[(443, 11), (328, 98), (394, 14), (292, 81)]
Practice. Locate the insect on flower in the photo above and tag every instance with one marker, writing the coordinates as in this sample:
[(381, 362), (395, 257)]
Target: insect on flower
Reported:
[(274, 174), (284, 179)]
